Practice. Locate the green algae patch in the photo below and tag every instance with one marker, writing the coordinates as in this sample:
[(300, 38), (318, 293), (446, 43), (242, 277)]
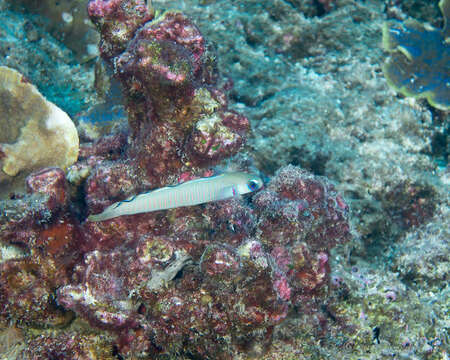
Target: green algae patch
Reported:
[(419, 62)]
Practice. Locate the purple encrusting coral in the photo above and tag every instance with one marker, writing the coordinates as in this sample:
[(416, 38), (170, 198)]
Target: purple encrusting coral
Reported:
[(209, 281)]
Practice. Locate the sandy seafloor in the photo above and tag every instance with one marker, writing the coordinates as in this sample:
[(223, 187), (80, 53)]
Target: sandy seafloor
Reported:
[(312, 86)]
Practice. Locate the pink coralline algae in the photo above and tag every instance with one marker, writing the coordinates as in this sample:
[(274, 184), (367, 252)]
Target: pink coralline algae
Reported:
[(67, 345), (300, 218), (208, 281), (178, 117), (41, 225)]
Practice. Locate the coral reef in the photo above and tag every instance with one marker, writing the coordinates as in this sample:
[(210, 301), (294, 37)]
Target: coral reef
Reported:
[(38, 223), (241, 269), (262, 277), (374, 317), (317, 98), (178, 116), (32, 128), (208, 280), (419, 58), (67, 345)]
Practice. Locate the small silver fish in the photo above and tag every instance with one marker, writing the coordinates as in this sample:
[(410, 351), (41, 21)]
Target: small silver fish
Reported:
[(194, 192)]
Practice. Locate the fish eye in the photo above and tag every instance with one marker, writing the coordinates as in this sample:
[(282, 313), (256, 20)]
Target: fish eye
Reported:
[(253, 185)]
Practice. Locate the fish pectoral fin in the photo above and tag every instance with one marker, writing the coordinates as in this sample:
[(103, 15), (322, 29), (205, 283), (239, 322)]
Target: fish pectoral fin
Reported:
[(106, 214), (228, 192), (94, 218)]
